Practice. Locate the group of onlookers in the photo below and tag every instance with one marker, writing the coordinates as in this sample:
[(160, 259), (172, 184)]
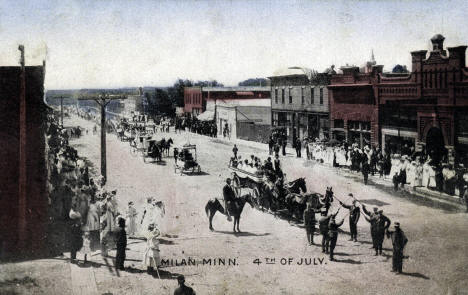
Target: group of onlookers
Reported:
[(192, 124), (416, 169)]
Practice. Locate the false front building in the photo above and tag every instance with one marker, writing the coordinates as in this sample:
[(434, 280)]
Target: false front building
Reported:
[(242, 112), (426, 109), (299, 102)]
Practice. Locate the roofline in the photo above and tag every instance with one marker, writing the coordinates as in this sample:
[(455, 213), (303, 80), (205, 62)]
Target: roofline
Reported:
[(237, 88)]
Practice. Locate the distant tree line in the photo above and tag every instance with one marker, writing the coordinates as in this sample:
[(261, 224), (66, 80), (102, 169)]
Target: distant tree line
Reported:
[(254, 82), (165, 100)]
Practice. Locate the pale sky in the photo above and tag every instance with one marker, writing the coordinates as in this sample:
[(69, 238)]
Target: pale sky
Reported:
[(107, 44)]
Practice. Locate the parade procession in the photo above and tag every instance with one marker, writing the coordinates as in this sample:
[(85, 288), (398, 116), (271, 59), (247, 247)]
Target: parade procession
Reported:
[(225, 147)]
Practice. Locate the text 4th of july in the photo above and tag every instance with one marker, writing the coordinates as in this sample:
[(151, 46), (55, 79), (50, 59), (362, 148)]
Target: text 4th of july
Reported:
[(290, 261)]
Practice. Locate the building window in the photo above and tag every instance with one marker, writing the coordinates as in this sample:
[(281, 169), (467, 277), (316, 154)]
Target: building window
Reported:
[(321, 95), (276, 96), (337, 123), (302, 95), (312, 95), (290, 96), (282, 96)]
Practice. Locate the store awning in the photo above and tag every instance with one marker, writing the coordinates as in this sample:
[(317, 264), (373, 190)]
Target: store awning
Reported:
[(206, 116)]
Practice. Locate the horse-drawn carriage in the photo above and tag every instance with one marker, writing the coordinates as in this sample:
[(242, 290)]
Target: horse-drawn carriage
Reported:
[(244, 179), (140, 144), (156, 149), (187, 160), (289, 198)]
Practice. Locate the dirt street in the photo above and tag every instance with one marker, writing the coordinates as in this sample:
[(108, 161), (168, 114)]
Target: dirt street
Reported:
[(437, 247)]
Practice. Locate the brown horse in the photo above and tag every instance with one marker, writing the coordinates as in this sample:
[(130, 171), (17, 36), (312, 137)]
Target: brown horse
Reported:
[(236, 209)]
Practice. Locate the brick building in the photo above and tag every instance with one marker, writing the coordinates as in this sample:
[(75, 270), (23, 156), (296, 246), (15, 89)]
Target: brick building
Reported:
[(299, 102), (193, 100), (24, 198), (426, 108)]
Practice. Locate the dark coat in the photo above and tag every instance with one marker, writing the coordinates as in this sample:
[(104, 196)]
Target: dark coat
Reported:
[(309, 218), (228, 193)]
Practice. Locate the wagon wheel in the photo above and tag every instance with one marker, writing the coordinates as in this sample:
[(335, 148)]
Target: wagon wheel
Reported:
[(133, 151)]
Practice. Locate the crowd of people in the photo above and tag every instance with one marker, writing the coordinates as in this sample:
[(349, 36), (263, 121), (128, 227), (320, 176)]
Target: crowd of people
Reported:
[(254, 165), (192, 124), (90, 210), (416, 169), (379, 227), (328, 225)]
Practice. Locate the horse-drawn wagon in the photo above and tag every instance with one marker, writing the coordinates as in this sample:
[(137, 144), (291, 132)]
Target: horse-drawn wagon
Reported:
[(278, 196), (187, 160), (245, 179), (139, 144)]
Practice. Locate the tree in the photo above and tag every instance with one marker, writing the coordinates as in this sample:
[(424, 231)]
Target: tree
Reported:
[(254, 82), (399, 69), (176, 92), (212, 83)]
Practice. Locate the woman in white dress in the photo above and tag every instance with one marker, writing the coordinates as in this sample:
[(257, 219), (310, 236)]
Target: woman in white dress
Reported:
[(432, 181), (151, 257), (411, 174), (147, 217), (396, 166), (93, 224), (131, 218), (348, 161), (425, 175), (159, 212)]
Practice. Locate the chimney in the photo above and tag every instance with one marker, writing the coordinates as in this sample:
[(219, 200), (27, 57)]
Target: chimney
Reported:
[(416, 60), (457, 56)]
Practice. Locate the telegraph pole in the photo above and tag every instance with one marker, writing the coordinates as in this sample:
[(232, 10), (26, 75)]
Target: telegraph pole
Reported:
[(103, 100), (22, 180)]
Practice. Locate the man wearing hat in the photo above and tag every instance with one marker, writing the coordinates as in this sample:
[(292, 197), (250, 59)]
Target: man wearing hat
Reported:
[(399, 241), (229, 196), (323, 227), (382, 225), (372, 219), (333, 234), (183, 289), (309, 223), (354, 215)]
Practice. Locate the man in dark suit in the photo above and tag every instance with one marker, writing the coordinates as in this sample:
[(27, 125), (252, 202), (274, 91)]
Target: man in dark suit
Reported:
[(229, 195), (399, 241), (354, 214), (121, 242)]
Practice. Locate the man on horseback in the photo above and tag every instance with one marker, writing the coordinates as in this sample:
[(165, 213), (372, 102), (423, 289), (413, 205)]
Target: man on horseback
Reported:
[(229, 195)]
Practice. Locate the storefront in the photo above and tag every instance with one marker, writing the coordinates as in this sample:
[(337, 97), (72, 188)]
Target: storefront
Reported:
[(396, 141)]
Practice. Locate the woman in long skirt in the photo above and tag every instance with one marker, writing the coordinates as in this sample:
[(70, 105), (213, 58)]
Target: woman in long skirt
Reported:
[(131, 217), (93, 224), (152, 258)]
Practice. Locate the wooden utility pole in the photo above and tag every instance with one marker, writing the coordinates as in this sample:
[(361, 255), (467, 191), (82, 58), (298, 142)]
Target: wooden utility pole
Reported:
[(22, 179), (103, 100)]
